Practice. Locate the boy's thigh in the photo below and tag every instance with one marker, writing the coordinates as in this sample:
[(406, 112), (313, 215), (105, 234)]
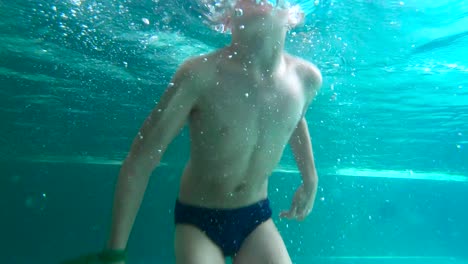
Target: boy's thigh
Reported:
[(263, 246), (192, 246)]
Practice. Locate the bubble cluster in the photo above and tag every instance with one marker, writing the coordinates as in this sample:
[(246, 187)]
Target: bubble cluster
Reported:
[(216, 13)]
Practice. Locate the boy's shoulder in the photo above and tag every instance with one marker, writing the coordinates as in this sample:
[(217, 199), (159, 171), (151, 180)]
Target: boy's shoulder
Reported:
[(200, 65), (308, 71)]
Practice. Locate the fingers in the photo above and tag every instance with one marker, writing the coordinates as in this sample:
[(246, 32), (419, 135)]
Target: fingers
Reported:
[(289, 214), (301, 216), (295, 213), (284, 214), (301, 211), (301, 206)]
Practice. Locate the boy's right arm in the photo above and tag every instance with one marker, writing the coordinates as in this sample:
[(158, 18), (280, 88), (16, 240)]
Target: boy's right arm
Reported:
[(148, 147)]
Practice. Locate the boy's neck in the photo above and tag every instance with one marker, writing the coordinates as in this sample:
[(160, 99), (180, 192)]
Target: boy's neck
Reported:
[(258, 53)]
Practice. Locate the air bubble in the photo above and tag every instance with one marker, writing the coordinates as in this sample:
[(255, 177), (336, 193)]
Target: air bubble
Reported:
[(153, 39), (219, 28), (239, 12), (145, 20), (76, 2), (295, 14)]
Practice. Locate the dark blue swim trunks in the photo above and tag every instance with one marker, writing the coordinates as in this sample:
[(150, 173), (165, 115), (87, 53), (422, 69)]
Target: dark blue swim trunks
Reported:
[(227, 228)]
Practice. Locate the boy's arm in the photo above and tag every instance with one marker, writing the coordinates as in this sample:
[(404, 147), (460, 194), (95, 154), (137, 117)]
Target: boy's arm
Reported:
[(148, 147), (301, 146), (300, 141)]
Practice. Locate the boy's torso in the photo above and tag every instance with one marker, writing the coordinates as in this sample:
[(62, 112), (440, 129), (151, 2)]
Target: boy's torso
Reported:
[(239, 128)]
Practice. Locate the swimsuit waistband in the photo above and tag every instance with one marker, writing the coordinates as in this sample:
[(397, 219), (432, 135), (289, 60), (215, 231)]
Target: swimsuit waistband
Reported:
[(261, 204)]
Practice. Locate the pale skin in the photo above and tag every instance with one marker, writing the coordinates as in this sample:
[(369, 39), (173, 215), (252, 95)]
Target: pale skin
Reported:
[(244, 104)]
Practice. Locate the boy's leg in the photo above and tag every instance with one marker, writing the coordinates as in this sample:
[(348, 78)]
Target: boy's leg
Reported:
[(192, 246), (263, 246)]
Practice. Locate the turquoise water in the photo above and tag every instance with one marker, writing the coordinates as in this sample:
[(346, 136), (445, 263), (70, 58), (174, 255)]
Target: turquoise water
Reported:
[(389, 127)]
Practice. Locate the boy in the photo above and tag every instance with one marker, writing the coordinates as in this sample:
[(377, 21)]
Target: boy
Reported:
[(244, 103)]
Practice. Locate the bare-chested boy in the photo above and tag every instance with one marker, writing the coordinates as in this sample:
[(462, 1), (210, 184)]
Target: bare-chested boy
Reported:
[(244, 104)]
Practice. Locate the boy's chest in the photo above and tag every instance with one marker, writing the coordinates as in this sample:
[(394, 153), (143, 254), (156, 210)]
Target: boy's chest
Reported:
[(255, 102)]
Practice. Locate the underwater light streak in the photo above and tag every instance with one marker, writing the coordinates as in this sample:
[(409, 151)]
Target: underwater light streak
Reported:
[(388, 257), (408, 174), (385, 259), (390, 174), (346, 172), (90, 160)]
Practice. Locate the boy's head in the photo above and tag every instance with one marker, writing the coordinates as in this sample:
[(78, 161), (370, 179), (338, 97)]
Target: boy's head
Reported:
[(258, 14)]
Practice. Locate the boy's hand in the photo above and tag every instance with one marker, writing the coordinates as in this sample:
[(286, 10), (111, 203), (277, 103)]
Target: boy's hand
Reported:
[(302, 204), (103, 257)]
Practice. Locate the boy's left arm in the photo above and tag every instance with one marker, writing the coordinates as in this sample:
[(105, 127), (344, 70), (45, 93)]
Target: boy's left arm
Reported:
[(304, 198), (301, 146)]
